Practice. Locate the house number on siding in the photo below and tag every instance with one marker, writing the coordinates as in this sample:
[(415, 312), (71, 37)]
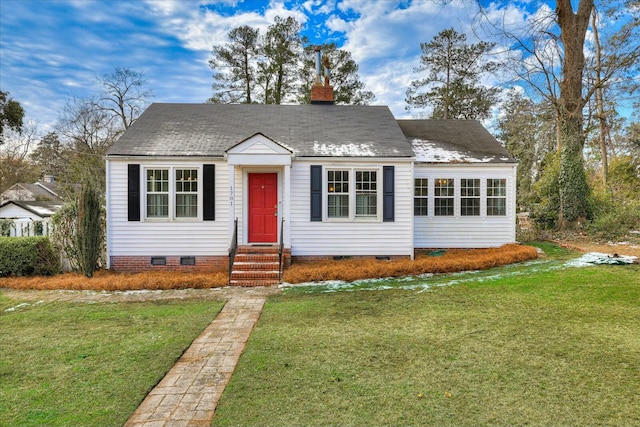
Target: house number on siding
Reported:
[(231, 195)]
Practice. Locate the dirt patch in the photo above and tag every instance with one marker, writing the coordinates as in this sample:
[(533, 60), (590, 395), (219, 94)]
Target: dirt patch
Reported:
[(612, 248)]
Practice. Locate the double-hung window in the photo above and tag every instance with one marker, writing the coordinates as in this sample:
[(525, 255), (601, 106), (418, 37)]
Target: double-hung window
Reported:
[(338, 194), (421, 197), (496, 197), (352, 194), (157, 193), (186, 193), (171, 193), (443, 200), (470, 197), (366, 194)]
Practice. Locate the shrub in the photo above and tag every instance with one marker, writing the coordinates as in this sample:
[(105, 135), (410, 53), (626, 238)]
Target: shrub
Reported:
[(24, 256), (63, 236), (89, 230), (615, 219), (112, 281), (451, 261)]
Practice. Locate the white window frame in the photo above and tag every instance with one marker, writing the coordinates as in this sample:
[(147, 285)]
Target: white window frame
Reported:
[(352, 217), (477, 197), (172, 217), (454, 197), (421, 196), (494, 197)]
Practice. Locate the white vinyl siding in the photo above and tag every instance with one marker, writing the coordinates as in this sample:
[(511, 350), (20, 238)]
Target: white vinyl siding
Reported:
[(467, 231), (163, 237), (351, 237)]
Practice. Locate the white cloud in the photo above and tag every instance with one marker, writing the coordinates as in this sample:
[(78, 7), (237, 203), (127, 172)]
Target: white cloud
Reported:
[(337, 24)]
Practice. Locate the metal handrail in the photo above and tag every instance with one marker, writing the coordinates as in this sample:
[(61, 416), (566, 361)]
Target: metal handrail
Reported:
[(280, 251), (234, 247)]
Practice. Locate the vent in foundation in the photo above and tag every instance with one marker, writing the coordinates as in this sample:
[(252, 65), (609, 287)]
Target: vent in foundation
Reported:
[(187, 260), (158, 260)]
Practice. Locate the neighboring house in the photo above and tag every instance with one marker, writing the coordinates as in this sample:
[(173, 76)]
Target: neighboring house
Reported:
[(47, 190), (27, 218), (26, 209), (323, 180)]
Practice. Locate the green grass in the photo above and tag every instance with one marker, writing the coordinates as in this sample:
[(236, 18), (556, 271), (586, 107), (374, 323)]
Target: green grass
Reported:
[(529, 345), (64, 364)]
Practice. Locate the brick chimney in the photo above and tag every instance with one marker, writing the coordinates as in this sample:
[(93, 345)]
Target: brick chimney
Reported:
[(322, 92)]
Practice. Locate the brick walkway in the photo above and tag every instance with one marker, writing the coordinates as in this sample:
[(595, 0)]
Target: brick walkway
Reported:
[(189, 393)]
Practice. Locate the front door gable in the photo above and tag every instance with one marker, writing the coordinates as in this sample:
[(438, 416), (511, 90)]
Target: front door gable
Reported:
[(258, 150)]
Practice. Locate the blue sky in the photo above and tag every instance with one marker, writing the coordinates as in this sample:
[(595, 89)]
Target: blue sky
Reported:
[(52, 50)]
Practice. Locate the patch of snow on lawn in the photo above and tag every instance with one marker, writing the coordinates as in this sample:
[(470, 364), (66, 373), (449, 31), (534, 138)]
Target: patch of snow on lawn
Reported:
[(17, 307), (597, 258)]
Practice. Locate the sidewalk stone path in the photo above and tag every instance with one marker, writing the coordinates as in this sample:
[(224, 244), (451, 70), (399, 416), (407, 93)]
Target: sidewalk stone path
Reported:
[(189, 393)]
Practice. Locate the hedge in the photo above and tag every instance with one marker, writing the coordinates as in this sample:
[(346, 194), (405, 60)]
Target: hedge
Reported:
[(27, 256)]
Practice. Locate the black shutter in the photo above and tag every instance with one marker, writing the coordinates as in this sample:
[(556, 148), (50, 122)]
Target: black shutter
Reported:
[(209, 192), (133, 193), (316, 193), (388, 186)]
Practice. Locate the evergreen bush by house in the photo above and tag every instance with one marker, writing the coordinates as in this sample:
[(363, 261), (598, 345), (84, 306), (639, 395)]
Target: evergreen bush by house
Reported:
[(89, 230)]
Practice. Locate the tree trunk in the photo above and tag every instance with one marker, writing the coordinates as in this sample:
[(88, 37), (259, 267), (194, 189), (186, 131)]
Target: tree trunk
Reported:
[(600, 113), (574, 189)]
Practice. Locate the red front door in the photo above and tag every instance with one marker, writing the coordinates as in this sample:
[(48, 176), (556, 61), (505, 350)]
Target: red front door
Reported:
[(263, 208)]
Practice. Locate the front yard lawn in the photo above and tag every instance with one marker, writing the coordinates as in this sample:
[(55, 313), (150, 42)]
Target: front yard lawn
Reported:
[(64, 364), (556, 346)]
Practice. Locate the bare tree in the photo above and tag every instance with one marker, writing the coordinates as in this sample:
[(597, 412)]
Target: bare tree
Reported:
[(14, 156), (553, 64), (123, 95)]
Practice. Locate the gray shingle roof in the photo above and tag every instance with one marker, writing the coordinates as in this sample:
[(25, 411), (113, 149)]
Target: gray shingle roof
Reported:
[(43, 209), (453, 141), (38, 191), (307, 130)]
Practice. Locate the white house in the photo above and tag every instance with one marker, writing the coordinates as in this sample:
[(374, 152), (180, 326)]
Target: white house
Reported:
[(189, 185), (26, 209)]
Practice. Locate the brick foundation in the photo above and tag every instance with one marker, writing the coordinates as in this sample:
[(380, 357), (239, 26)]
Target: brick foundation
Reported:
[(135, 264), (314, 258)]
